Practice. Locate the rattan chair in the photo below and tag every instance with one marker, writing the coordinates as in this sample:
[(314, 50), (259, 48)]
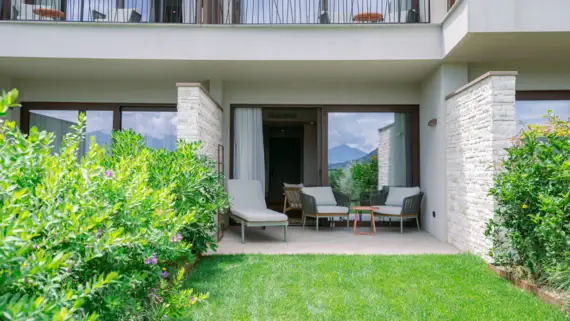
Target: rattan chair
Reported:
[(292, 200), (399, 203)]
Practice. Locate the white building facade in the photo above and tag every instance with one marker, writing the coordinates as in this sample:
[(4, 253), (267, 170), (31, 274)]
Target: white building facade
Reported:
[(464, 73)]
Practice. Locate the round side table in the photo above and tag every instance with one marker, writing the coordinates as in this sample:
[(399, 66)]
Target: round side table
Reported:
[(359, 210)]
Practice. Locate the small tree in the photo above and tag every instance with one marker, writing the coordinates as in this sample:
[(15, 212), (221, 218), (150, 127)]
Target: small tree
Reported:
[(531, 227)]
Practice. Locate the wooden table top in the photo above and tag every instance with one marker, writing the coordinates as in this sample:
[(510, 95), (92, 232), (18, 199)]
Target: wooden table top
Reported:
[(48, 12), (368, 17), (363, 208)]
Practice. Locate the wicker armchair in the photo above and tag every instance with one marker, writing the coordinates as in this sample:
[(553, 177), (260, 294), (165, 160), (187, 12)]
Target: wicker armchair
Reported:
[(292, 200), (400, 203), (320, 202)]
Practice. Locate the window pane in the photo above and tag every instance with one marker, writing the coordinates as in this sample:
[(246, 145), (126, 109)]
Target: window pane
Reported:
[(531, 111), (157, 128), (364, 138), (55, 121), (99, 125)]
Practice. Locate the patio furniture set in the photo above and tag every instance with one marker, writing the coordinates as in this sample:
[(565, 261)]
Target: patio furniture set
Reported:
[(248, 206)]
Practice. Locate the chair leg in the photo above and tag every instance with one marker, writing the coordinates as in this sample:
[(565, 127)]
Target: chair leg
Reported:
[(285, 205), (418, 223), (401, 226), (285, 233), (242, 232), (317, 223), (304, 220)]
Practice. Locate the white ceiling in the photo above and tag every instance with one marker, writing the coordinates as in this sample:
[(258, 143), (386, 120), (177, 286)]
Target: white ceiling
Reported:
[(520, 46)]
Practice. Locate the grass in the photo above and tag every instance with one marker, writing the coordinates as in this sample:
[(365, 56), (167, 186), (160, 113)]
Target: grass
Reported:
[(325, 287)]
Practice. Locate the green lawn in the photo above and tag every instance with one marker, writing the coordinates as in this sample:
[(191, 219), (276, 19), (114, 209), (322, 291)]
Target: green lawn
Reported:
[(325, 287)]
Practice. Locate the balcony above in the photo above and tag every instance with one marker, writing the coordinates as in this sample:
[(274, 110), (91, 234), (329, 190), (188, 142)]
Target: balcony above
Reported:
[(225, 12)]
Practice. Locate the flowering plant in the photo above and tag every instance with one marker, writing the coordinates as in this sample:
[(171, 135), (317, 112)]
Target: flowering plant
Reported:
[(85, 240), (531, 227)]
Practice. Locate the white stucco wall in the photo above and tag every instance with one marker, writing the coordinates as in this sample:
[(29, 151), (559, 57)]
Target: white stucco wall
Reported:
[(480, 124), (131, 91), (222, 42), (432, 144), (532, 75)]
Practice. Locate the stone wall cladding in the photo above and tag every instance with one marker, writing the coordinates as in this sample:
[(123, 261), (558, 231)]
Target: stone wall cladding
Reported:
[(385, 134), (480, 123), (199, 119)]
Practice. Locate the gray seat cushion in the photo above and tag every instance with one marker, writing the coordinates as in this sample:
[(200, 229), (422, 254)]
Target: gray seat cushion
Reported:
[(258, 215), (246, 194), (332, 210), (396, 195), (323, 195), (389, 210)]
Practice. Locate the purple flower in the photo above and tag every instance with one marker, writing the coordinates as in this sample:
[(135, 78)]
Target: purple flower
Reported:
[(151, 260), (176, 238), (192, 300), (98, 234), (109, 173), (164, 273)]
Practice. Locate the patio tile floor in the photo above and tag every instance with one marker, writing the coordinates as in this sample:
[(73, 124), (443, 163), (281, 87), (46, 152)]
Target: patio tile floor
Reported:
[(339, 240)]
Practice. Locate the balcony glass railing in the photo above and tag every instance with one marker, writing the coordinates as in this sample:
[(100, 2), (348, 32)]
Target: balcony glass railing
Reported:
[(220, 11)]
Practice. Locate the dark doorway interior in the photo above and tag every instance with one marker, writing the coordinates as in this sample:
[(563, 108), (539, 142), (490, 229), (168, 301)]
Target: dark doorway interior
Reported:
[(284, 157), (168, 11)]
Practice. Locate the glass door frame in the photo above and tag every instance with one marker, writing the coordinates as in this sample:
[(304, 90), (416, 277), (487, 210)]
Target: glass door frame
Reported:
[(324, 133)]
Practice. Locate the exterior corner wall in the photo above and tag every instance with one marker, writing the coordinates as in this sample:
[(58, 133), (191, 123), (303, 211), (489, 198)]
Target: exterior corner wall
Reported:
[(445, 79), (199, 119), (480, 122), (384, 160)]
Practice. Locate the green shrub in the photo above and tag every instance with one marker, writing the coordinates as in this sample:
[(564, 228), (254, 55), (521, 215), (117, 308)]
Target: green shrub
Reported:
[(196, 186), (531, 228), (98, 238)]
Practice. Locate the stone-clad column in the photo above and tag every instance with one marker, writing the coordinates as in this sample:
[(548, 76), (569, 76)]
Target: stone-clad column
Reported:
[(199, 118), (481, 121)]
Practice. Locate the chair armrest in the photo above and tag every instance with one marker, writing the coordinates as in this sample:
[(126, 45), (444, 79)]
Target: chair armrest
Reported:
[(378, 199), (135, 17), (309, 204), (97, 15), (412, 204), (341, 199)]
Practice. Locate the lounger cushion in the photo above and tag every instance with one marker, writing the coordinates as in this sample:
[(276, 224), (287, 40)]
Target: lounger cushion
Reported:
[(323, 195), (258, 215), (389, 210), (396, 195), (332, 210), (293, 185), (246, 194)]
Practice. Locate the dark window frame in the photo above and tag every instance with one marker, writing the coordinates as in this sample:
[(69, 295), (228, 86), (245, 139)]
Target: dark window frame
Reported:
[(117, 109), (542, 95), (323, 111)]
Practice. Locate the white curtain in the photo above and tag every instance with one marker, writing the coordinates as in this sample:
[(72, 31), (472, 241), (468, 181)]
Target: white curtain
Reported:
[(188, 11), (249, 160), (398, 146)]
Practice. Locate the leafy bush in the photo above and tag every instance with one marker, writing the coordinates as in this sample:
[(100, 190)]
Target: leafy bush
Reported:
[(96, 239), (356, 178), (196, 186), (531, 228)]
